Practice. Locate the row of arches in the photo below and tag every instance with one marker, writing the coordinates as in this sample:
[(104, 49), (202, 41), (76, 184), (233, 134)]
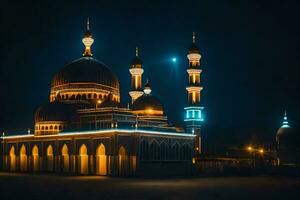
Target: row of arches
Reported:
[(162, 151), (35, 159), (83, 96)]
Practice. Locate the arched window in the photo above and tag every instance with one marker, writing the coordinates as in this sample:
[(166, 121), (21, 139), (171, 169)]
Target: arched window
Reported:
[(65, 158), (12, 159), (60, 127), (95, 96), (101, 166), (43, 128), (35, 156), (83, 97), (50, 159), (163, 151), (123, 161), (23, 159), (51, 127), (78, 97), (83, 159), (154, 150), (89, 96), (144, 150), (175, 151)]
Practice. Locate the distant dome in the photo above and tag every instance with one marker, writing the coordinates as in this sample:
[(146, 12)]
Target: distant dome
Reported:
[(86, 70), (147, 102), (54, 111)]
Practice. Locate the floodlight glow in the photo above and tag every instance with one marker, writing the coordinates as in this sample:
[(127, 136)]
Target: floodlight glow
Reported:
[(174, 59)]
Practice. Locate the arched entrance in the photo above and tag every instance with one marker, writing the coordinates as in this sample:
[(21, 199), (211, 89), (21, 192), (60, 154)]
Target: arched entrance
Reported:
[(65, 158), (12, 159), (101, 165), (50, 158), (83, 160), (23, 159), (123, 162), (35, 158)]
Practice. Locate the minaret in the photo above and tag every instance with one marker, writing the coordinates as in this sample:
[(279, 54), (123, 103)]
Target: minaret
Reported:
[(194, 111), (147, 88), (87, 40), (136, 72)]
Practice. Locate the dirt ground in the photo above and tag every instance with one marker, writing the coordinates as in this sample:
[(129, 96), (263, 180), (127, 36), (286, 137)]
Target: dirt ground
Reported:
[(26, 186)]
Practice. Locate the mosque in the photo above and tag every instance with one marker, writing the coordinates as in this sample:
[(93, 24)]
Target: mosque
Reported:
[(84, 129)]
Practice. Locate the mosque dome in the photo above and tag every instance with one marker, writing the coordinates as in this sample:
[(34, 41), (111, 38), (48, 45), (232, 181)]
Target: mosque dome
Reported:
[(54, 111), (86, 70), (148, 103), (284, 131), (85, 79)]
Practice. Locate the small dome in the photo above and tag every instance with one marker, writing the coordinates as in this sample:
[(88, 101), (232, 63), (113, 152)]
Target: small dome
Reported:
[(54, 111), (86, 70), (147, 102)]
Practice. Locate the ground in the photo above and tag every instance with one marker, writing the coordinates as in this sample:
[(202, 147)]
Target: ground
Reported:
[(25, 186)]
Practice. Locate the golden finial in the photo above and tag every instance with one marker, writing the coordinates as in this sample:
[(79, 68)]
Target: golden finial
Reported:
[(136, 51), (87, 40)]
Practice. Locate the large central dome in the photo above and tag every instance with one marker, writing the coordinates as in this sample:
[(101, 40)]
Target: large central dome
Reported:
[(85, 79), (86, 70)]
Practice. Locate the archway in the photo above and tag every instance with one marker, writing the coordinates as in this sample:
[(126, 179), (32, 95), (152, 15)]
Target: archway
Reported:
[(83, 160), (12, 159), (101, 166), (123, 168), (50, 158), (65, 158), (35, 158), (23, 159)]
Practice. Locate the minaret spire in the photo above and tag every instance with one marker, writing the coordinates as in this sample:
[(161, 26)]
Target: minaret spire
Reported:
[(194, 37), (87, 40), (285, 122), (136, 51), (88, 24)]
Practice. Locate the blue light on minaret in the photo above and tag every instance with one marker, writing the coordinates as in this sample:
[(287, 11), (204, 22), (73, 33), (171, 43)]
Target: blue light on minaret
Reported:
[(194, 111), (285, 123)]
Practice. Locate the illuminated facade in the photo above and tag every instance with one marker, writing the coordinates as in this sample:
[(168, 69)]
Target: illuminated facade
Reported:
[(194, 111), (85, 130)]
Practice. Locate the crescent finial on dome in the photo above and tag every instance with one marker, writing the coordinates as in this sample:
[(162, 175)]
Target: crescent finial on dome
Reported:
[(87, 40)]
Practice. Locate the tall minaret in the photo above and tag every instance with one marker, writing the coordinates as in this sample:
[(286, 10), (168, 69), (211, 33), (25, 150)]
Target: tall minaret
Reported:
[(87, 40), (194, 112), (136, 72)]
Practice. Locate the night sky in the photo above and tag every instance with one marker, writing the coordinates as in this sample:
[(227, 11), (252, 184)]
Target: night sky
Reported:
[(250, 58)]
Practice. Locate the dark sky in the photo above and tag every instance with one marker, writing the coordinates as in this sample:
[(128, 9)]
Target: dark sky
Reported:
[(250, 57)]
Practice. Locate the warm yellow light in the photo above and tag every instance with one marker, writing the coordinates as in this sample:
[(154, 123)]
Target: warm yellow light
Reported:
[(193, 160), (149, 111), (249, 148), (261, 151), (99, 101)]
